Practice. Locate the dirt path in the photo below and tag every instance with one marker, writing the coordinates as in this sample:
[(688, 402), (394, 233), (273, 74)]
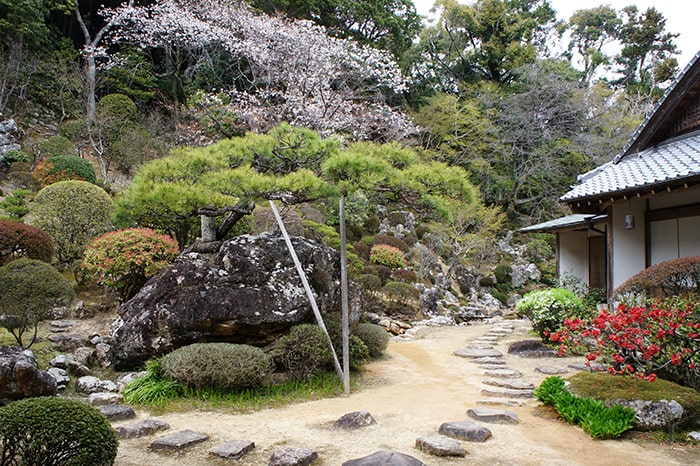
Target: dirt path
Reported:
[(418, 386)]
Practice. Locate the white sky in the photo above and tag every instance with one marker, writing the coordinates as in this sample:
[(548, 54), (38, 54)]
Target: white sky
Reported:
[(681, 17)]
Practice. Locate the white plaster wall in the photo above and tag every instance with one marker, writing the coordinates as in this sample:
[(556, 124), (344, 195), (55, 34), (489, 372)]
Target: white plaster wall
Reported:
[(573, 254), (674, 198), (628, 245)]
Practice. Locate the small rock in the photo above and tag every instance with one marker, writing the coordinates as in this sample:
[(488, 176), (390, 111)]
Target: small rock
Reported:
[(141, 429), (83, 356), (355, 420), (67, 342), (694, 435), (551, 370), (61, 325), (385, 458), (103, 355), (233, 449), (77, 369), (477, 353), (60, 361), (500, 416), (94, 339), (89, 384), (129, 377), (178, 440), (440, 445), (465, 430), (117, 412), (293, 457), (105, 398), (60, 375)]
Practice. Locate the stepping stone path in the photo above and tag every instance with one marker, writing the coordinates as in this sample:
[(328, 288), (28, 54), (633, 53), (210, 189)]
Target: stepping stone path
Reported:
[(233, 449), (141, 429), (551, 370), (478, 353), (178, 440), (499, 416), (440, 445)]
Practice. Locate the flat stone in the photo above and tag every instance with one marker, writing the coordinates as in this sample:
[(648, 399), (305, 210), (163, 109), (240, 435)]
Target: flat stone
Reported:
[(440, 445), (355, 420), (500, 402), (233, 449), (517, 384), (477, 353), (60, 375), (507, 393), (551, 370), (488, 338), (62, 325), (67, 341), (105, 398), (141, 429), (178, 440), (293, 457), (491, 367), (117, 412), (479, 346), (385, 458), (465, 430), (503, 373), (89, 384), (499, 416), (497, 361), (588, 367)]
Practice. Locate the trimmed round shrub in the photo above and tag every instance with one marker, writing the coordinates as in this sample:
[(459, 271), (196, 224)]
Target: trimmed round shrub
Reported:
[(392, 241), (547, 309), (63, 168), (359, 353), (56, 145), (218, 366), (388, 256), (369, 282), (304, 351), (381, 271), (375, 338), (55, 431), (675, 277), (21, 240), (404, 276), (361, 249)]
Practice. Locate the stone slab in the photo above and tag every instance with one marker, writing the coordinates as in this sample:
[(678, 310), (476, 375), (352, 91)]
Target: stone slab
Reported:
[(551, 370), (105, 398), (499, 416), (233, 449), (440, 445), (178, 440), (507, 393), (141, 429), (503, 373), (491, 367), (385, 458), (496, 361), (117, 412), (516, 384), (477, 353), (293, 457), (465, 430), (500, 402)]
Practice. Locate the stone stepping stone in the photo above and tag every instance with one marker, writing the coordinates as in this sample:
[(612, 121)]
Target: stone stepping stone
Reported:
[(480, 346), (507, 393), (498, 416), (105, 398), (488, 360), (492, 367), (385, 458), (477, 353), (178, 440), (551, 370), (355, 420), (516, 384), (465, 430), (141, 429), (500, 402), (488, 338), (293, 457), (117, 412), (59, 326), (503, 373), (440, 445), (591, 367), (233, 449)]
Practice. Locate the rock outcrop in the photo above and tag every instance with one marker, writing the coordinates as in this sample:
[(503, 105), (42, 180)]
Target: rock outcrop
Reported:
[(249, 292), (9, 137), (20, 376)]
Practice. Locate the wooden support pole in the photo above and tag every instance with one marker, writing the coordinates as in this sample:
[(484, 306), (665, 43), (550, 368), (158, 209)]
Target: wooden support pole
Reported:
[(344, 297)]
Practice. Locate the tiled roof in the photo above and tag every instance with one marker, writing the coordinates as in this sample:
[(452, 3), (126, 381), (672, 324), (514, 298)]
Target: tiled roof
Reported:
[(564, 223), (672, 160)]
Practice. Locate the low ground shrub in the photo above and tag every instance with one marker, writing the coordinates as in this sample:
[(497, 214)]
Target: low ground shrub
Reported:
[(63, 168), (400, 293), (374, 337), (404, 276), (388, 256), (13, 156), (547, 309), (304, 351), (55, 431), (391, 241), (218, 366), (15, 204), (594, 417), (676, 277), (661, 339)]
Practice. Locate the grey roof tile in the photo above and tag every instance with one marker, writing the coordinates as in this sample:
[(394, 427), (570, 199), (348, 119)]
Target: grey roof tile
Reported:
[(672, 160)]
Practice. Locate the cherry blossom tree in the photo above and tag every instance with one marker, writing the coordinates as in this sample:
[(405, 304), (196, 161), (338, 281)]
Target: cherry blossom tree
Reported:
[(281, 69)]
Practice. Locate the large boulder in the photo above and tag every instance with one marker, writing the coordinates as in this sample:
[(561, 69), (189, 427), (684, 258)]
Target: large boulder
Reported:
[(249, 292), (9, 136), (20, 376)]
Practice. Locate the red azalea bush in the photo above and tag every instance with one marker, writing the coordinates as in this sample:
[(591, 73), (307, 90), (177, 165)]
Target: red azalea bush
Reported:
[(124, 260), (657, 339), (21, 240)]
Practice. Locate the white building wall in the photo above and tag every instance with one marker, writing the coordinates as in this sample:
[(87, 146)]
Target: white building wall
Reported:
[(573, 254), (628, 257)]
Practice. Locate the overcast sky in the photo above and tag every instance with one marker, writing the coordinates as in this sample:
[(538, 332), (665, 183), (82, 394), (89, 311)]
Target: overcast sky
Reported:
[(681, 17)]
